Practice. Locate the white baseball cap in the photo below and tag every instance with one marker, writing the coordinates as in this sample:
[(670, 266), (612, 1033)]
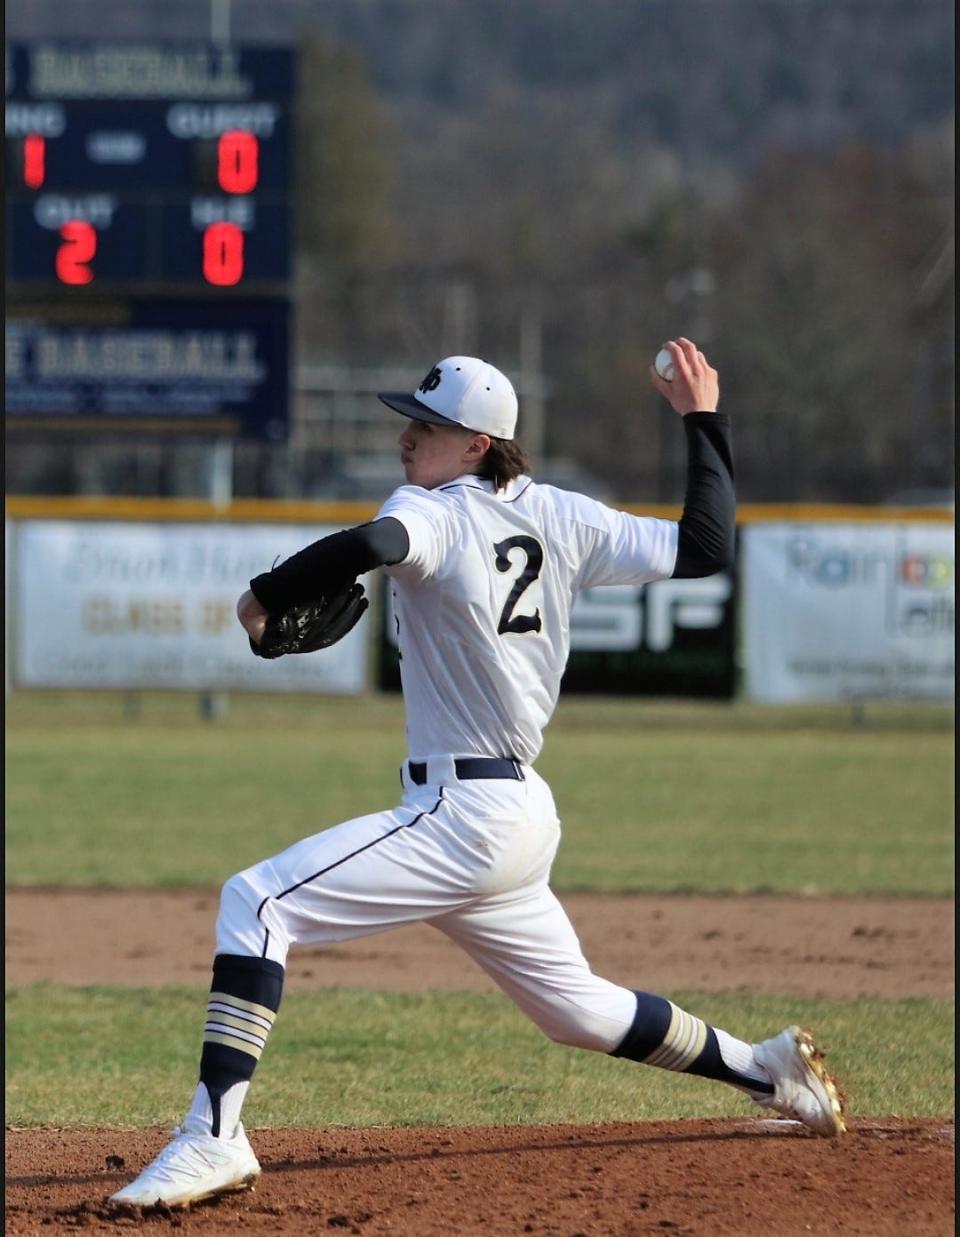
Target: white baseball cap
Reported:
[(461, 390)]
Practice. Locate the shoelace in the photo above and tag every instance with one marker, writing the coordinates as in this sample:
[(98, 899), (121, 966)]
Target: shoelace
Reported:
[(176, 1156)]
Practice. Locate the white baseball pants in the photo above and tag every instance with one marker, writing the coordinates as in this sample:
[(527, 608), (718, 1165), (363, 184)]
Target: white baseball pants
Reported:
[(473, 859)]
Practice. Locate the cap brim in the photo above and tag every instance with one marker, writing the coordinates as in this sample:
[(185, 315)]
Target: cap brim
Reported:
[(410, 406)]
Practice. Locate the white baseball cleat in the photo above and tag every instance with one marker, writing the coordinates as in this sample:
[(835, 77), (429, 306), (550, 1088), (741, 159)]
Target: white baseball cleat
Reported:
[(804, 1090), (193, 1167)]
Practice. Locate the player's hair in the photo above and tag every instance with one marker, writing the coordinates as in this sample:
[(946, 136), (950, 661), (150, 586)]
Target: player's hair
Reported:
[(503, 460)]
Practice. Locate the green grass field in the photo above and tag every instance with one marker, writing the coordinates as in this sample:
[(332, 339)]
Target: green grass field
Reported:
[(653, 796), (349, 1057)]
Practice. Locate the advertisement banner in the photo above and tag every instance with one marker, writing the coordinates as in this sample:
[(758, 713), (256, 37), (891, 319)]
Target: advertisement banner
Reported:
[(118, 605), (840, 611), (672, 638)]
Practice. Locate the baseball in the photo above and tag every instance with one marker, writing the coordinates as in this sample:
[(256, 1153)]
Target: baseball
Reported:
[(664, 364)]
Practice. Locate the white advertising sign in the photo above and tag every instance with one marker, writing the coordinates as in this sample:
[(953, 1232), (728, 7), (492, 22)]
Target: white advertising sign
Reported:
[(837, 611), (154, 605)]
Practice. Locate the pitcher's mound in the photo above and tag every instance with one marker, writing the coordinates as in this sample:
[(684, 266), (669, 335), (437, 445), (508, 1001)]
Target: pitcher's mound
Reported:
[(736, 1177)]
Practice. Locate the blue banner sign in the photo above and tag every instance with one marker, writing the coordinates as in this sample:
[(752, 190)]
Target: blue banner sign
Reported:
[(169, 365)]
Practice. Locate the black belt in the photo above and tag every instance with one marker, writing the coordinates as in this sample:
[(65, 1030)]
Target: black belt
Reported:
[(469, 767)]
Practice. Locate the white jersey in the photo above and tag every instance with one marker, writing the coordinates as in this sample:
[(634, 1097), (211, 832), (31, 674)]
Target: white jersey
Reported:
[(483, 601)]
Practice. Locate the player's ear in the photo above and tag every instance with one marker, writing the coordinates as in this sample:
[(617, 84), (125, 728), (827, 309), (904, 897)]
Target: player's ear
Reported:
[(478, 447)]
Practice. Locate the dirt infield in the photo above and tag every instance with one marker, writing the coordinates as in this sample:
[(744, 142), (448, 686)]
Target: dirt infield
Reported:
[(736, 1178), (718, 1178), (809, 947)]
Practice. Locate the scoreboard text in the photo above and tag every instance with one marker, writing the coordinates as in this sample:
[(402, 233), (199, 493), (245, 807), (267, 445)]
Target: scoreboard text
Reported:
[(130, 164)]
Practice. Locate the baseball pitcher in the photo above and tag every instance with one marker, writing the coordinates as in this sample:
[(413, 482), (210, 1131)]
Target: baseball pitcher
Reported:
[(485, 564)]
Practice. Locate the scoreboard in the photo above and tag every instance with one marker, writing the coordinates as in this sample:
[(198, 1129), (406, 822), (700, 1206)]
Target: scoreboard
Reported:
[(161, 166), (148, 236)]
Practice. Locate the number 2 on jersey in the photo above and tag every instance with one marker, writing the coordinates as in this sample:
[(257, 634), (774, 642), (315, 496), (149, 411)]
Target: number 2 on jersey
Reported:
[(519, 624)]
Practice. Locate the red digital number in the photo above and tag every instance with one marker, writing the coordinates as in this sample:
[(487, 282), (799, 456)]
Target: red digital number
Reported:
[(34, 160), (238, 154), (78, 249), (223, 254)]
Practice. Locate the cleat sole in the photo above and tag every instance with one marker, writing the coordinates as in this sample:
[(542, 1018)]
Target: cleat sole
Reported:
[(161, 1205), (814, 1059)]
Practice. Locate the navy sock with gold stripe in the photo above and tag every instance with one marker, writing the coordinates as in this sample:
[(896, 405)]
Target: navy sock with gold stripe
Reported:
[(243, 1002), (663, 1034)]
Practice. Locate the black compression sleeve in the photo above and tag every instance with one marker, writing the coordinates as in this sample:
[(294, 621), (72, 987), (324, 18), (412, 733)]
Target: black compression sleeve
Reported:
[(330, 563), (708, 524)]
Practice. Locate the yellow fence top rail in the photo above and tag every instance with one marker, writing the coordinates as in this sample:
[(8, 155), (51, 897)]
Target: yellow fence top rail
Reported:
[(284, 511)]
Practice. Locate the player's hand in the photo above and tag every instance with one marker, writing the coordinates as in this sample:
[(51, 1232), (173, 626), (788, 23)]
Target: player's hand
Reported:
[(252, 616), (695, 386)]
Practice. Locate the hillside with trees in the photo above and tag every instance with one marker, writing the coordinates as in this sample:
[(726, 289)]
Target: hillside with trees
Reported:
[(771, 177)]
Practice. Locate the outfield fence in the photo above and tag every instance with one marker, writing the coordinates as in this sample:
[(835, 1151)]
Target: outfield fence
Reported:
[(824, 602)]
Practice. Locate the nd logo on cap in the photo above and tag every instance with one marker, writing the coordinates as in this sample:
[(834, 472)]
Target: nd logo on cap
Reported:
[(432, 380), (461, 390)]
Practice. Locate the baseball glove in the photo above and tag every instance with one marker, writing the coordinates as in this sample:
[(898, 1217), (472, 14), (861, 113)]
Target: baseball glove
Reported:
[(312, 625)]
